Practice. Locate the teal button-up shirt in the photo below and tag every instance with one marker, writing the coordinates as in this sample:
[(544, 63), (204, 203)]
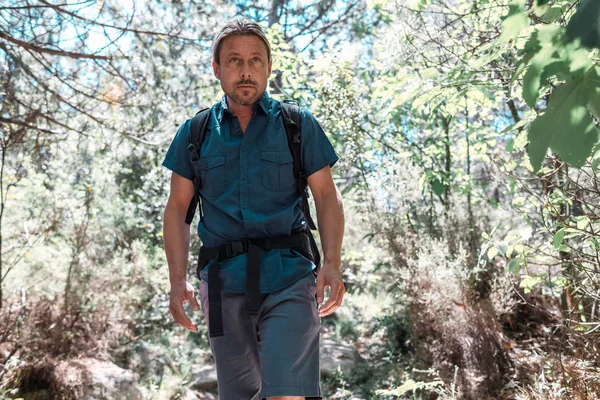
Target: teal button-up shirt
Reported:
[(249, 187)]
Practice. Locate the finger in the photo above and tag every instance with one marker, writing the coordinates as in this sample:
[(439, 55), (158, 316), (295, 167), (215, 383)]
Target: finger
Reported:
[(341, 293), (180, 317), (333, 301), (324, 310), (193, 301), (320, 288), (335, 298)]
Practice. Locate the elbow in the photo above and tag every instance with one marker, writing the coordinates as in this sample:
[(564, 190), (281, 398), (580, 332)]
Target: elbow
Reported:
[(175, 210), (331, 198)]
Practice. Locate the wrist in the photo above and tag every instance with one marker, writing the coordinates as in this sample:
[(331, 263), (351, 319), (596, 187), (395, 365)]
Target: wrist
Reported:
[(335, 262), (177, 280)]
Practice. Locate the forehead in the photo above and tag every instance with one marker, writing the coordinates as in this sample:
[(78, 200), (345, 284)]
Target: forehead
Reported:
[(243, 44)]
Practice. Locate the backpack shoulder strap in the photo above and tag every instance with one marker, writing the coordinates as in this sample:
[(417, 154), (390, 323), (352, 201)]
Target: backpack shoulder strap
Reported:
[(291, 120), (197, 131), (293, 129)]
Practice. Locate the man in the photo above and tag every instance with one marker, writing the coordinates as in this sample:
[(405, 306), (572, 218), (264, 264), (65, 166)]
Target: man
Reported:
[(249, 193)]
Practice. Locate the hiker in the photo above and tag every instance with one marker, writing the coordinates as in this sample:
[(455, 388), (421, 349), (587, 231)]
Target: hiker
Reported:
[(246, 164)]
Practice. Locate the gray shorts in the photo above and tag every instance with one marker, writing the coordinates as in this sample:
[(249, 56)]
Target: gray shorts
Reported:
[(275, 353)]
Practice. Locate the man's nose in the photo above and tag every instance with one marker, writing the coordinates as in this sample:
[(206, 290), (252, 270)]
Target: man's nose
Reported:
[(245, 73)]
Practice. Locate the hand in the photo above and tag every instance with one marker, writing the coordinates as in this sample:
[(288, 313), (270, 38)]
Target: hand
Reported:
[(330, 276), (182, 292)]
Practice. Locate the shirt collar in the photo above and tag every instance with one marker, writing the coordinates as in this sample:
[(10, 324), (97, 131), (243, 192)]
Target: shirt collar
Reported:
[(264, 104)]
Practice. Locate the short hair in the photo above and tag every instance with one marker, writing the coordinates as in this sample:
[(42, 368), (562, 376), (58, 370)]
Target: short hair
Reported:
[(239, 27)]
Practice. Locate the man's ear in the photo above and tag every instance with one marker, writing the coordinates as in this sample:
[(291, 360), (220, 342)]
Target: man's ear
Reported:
[(217, 70), (270, 67)]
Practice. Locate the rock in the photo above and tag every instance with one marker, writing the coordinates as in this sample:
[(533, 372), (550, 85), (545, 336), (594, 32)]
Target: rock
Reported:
[(148, 362), (207, 396), (98, 380), (334, 354), (38, 395), (204, 377), (193, 395)]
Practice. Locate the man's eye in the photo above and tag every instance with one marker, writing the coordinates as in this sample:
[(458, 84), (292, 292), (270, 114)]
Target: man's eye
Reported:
[(233, 60), (256, 59)]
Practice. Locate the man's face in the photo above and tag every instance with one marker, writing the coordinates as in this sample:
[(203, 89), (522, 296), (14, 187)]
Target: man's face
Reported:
[(243, 68)]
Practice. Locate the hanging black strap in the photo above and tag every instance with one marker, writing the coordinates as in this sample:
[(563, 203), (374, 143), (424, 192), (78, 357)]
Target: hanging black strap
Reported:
[(197, 133), (293, 129), (215, 306), (291, 121)]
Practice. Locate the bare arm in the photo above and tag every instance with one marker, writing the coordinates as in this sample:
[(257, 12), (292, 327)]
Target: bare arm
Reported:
[(330, 215), (176, 235)]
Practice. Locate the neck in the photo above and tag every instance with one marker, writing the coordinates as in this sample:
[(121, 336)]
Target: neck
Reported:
[(239, 110)]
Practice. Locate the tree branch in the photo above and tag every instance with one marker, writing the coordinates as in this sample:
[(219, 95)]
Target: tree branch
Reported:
[(39, 49)]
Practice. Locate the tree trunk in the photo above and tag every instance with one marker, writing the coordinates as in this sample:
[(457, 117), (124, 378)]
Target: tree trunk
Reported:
[(274, 15), (2, 203), (473, 234)]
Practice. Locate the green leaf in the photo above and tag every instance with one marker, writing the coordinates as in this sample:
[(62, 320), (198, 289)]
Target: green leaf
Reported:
[(512, 127), (509, 250), (594, 85), (381, 264), (540, 3), (583, 25), (558, 238), (596, 156), (578, 60), (369, 236), (438, 187), (492, 252), (528, 282), (564, 248), (583, 222), (532, 81), (510, 145), (521, 140), (541, 48), (566, 127), (521, 65), (552, 14), (418, 4), (514, 22), (347, 189), (410, 386), (486, 59), (514, 266), (558, 69)]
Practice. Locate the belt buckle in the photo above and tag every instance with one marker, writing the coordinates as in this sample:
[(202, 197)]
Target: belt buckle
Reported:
[(235, 248)]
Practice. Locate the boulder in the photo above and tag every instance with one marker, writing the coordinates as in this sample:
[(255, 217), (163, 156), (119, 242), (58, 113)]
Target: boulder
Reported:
[(204, 377), (334, 354), (148, 362), (193, 395), (97, 380)]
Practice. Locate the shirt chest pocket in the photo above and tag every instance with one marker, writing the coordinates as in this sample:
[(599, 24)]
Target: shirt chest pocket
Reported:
[(212, 169), (277, 170)]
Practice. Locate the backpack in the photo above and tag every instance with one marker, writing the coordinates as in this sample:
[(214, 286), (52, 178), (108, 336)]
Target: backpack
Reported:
[(291, 118)]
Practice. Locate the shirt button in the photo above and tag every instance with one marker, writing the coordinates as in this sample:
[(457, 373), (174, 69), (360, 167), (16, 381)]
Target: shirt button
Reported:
[(243, 177), (243, 149), (279, 159)]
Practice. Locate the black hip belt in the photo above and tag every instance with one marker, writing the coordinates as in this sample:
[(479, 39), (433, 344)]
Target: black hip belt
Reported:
[(298, 241)]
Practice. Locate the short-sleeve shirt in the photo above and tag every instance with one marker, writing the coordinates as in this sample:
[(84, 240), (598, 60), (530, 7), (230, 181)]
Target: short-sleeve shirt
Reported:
[(249, 188)]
